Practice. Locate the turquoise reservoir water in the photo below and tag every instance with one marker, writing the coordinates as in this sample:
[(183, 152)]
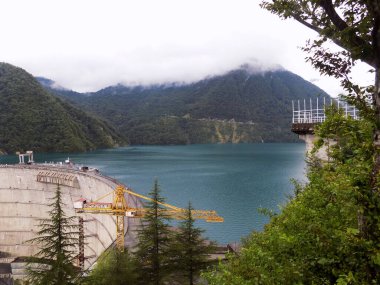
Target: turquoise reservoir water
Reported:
[(234, 180)]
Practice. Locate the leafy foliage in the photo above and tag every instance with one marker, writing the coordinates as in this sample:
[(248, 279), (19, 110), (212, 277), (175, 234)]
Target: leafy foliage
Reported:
[(355, 27), (259, 103), (113, 268), (57, 239), (316, 237), (31, 118)]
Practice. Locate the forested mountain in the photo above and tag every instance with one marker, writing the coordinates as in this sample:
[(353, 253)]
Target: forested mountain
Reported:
[(32, 118), (240, 106)]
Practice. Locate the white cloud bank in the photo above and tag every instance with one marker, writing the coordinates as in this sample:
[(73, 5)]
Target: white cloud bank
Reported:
[(89, 44)]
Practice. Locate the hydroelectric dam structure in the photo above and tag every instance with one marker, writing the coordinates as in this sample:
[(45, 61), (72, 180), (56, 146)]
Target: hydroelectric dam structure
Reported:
[(25, 194)]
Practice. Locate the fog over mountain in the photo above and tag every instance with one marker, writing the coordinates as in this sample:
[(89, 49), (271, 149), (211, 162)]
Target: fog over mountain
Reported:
[(253, 67)]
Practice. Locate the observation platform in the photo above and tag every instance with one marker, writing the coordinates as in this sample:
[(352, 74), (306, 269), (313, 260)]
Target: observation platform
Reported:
[(307, 115)]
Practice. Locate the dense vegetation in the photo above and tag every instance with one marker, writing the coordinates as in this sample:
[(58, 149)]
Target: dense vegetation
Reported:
[(241, 106), (316, 238), (32, 118), (329, 233), (114, 268)]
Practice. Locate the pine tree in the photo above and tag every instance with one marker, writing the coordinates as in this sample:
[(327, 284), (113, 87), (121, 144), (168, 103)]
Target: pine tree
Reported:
[(57, 240), (154, 240), (191, 248), (113, 268)]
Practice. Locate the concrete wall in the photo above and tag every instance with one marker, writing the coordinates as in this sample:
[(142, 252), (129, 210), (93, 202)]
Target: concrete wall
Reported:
[(23, 201)]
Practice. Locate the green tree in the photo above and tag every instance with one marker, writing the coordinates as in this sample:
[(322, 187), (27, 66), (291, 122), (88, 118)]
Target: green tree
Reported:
[(57, 239), (154, 241), (191, 249), (316, 239), (354, 25), (113, 268)]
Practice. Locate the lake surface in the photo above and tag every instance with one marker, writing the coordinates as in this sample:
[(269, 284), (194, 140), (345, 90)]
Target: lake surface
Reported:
[(234, 180)]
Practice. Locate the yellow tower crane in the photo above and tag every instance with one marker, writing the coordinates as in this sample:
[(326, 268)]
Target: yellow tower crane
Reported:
[(120, 208)]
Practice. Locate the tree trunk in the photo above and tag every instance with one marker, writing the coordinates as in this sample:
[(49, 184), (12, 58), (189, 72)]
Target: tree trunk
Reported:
[(376, 95), (376, 99), (191, 274), (371, 207)]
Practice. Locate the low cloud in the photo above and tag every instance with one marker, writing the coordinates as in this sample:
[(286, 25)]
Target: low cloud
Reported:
[(91, 44)]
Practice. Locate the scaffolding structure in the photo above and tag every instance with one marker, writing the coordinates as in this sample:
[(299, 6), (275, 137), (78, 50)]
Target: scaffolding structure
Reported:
[(307, 113)]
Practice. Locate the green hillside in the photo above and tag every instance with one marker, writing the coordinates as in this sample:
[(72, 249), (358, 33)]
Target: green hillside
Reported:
[(240, 106), (32, 118)]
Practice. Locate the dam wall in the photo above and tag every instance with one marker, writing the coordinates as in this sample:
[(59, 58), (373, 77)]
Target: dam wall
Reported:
[(25, 195)]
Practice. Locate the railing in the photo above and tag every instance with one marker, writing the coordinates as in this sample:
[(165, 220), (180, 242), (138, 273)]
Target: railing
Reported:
[(306, 113)]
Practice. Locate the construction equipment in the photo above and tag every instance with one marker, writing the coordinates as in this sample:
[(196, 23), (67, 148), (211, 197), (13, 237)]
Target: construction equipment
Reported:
[(120, 208)]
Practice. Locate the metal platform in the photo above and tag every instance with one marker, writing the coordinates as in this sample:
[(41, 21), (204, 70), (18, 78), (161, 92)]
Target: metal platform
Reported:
[(307, 115)]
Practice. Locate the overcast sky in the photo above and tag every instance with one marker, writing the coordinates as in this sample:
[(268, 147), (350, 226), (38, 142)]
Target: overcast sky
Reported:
[(86, 45)]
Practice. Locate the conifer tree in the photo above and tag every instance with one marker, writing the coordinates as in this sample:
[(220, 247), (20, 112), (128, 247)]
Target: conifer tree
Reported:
[(191, 249), (57, 241), (154, 240)]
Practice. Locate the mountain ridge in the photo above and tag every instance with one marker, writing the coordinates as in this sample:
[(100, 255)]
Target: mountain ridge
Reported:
[(189, 113)]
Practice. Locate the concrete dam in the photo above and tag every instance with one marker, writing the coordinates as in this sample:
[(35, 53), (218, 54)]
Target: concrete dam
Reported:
[(25, 192)]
